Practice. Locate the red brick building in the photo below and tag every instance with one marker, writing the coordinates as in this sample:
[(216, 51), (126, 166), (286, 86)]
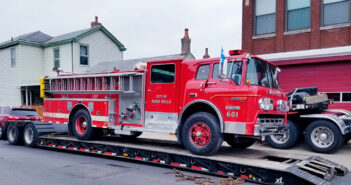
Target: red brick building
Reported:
[(309, 39)]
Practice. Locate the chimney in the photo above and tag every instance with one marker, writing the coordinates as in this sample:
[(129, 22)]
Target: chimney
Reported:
[(95, 23), (206, 54), (186, 43)]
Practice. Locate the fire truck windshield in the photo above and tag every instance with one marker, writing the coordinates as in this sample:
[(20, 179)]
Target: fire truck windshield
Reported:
[(234, 71), (262, 73)]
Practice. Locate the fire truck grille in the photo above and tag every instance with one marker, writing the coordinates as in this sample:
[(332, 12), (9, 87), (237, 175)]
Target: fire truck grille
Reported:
[(270, 120)]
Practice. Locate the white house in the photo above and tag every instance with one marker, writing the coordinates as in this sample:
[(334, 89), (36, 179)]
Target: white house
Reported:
[(26, 58)]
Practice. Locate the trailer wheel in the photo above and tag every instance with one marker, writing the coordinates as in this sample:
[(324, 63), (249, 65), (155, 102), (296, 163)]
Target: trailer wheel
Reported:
[(286, 140), (201, 134), (323, 136), (2, 133), (239, 142), (82, 125), (30, 135), (14, 135)]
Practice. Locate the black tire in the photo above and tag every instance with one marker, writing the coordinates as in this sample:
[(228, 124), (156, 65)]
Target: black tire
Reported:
[(291, 138), (347, 138), (238, 142), (314, 131), (210, 129), (30, 135), (2, 133), (14, 135), (82, 125), (133, 135)]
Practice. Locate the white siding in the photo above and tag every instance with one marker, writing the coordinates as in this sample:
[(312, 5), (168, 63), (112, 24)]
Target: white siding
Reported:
[(29, 65), (65, 59), (101, 48), (10, 93)]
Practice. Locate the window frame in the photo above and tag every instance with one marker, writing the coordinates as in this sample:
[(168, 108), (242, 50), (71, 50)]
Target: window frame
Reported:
[(209, 71), (329, 26), (80, 55), (255, 22), (54, 58), (13, 56), (287, 18), (175, 69)]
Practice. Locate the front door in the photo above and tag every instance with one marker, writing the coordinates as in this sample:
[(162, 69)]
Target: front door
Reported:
[(162, 94)]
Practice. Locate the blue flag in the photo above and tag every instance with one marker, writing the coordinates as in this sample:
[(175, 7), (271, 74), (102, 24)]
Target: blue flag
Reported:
[(223, 65)]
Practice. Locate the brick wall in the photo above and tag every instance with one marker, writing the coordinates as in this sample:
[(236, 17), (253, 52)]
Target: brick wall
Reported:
[(313, 38)]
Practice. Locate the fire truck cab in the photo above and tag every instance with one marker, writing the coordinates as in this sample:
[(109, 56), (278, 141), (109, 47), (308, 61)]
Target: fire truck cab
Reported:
[(191, 99)]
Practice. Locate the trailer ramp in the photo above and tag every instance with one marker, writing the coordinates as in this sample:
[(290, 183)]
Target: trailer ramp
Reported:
[(253, 166)]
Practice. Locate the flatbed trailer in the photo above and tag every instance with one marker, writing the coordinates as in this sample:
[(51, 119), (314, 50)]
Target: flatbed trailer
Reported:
[(251, 165)]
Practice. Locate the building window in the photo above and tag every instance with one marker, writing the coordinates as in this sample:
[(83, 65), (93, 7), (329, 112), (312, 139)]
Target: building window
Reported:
[(335, 12), (298, 14), (346, 97), (334, 96), (13, 57), (163, 73), (203, 72), (56, 58), (265, 16), (84, 58)]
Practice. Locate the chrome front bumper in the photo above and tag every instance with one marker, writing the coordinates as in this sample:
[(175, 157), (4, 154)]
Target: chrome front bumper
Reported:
[(269, 126)]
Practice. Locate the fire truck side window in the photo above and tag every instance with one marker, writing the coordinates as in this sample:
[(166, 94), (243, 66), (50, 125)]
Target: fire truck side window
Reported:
[(163, 73), (203, 72)]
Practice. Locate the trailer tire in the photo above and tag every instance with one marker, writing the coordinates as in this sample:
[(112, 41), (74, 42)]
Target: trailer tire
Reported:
[(14, 135), (30, 135), (286, 141), (201, 134), (82, 125), (2, 133), (323, 136), (239, 142)]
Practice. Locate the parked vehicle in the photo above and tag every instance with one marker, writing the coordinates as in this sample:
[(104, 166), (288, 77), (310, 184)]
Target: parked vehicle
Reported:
[(192, 99), (323, 129), (8, 113)]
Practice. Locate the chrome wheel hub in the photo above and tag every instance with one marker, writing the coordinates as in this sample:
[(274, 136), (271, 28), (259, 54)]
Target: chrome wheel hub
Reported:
[(322, 137)]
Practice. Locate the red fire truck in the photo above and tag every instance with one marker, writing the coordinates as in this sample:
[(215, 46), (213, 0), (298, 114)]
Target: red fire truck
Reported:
[(186, 98)]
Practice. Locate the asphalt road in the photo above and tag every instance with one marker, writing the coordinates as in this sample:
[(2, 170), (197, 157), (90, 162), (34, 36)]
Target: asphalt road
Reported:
[(20, 165)]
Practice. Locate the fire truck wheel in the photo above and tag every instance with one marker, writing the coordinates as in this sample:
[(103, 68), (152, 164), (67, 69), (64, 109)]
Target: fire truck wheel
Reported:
[(2, 133), (82, 125), (30, 135), (201, 134), (323, 136), (238, 142), (14, 135), (287, 140)]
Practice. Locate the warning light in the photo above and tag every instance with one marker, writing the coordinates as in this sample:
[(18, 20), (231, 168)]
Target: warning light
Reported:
[(236, 52)]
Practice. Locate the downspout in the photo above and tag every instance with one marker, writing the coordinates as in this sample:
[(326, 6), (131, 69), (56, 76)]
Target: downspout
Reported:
[(72, 54)]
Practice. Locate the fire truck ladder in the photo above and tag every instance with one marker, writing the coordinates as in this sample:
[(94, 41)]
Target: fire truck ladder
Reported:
[(112, 83)]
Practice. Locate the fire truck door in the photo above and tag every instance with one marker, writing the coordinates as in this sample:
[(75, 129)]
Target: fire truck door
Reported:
[(162, 84)]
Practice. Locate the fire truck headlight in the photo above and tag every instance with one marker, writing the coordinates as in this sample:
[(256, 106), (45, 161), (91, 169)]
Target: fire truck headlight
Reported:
[(282, 106), (265, 104)]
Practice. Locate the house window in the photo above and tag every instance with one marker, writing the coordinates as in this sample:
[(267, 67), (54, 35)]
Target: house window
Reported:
[(265, 16), (203, 72), (84, 58), (13, 57), (163, 73), (335, 12), (56, 58), (298, 14)]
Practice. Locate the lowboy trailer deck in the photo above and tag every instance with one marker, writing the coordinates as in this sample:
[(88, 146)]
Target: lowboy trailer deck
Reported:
[(251, 165)]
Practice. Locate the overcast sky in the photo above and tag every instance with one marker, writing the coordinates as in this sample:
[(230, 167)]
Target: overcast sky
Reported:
[(146, 27)]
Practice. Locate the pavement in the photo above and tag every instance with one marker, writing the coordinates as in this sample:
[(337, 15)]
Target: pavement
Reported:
[(27, 166)]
